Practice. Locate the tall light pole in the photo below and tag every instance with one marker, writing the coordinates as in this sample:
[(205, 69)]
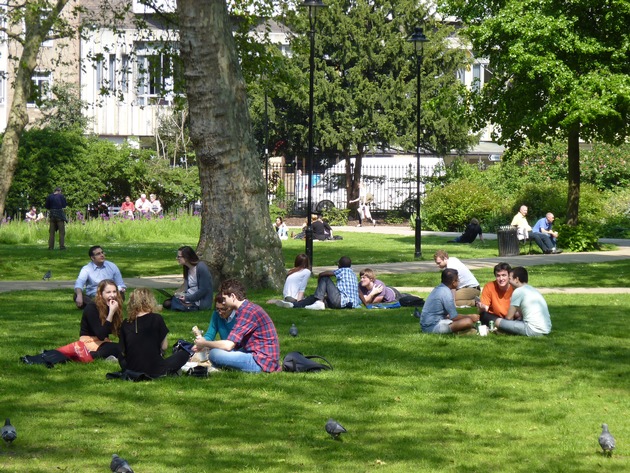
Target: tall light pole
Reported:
[(418, 39), (313, 6)]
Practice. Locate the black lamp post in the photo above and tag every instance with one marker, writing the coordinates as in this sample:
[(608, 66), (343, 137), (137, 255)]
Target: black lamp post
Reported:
[(418, 39), (266, 148), (312, 5)]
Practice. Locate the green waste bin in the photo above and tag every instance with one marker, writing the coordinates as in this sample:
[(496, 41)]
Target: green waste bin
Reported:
[(508, 241)]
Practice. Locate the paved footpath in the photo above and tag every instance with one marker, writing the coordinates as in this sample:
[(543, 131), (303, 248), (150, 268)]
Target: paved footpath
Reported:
[(175, 280)]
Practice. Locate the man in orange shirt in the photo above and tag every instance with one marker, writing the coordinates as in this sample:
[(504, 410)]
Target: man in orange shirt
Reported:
[(496, 295)]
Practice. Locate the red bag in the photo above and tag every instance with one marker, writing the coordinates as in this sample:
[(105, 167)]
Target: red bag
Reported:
[(76, 351)]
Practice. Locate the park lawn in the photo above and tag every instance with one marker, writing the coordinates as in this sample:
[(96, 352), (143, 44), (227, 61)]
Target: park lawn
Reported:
[(410, 402)]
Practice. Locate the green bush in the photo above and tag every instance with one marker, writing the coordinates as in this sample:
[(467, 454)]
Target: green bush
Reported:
[(335, 216), (275, 211), (451, 207), (578, 238)]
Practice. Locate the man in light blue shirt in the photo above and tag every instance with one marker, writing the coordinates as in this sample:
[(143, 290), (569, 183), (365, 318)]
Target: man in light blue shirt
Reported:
[(439, 314), (93, 273), (544, 235)]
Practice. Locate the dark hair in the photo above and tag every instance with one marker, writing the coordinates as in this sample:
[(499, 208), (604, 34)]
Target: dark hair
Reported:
[(93, 249), (301, 262), (279, 217), (502, 267), (344, 262), (449, 275), (233, 286), (189, 256), (520, 273)]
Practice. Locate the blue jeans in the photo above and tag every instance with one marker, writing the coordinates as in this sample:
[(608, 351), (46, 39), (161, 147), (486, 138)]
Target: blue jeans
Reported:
[(518, 327), (176, 304), (236, 360)]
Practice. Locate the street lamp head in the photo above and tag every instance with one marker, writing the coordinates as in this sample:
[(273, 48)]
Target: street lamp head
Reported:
[(313, 3), (418, 39)]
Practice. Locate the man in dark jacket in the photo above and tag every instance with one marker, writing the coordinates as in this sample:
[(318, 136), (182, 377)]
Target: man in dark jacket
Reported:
[(55, 203)]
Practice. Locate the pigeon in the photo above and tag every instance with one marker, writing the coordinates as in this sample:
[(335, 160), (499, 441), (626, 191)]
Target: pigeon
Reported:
[(293, 331), (119, 465), (417, 313), (334, 428), (607, 441), (47, 276), (9, 434)]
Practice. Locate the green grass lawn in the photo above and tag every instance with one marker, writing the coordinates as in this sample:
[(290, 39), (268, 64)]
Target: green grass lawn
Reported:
[(410, 402)]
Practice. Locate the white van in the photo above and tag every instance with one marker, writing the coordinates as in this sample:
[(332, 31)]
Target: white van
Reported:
[(391, 179)]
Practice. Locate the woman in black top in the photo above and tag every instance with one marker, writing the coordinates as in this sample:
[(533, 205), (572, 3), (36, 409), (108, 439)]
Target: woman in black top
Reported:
[(143, 338), (101, 318)]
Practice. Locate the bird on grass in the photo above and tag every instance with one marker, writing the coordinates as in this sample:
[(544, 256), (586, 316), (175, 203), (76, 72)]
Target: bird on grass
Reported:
[(47, 276), (293, 331), (8, 433), (119, 465), (607, 441), (335, 429)]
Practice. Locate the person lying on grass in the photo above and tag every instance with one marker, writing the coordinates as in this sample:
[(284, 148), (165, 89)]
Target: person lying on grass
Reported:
[(439, 314), (372, 290), (530, 304), (252, 345)]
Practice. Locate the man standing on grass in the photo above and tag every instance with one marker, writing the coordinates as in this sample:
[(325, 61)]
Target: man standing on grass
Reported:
[(496, 295), (468, 287), (55, 203), (343, 295), (93, 273), (531, 306), (439, 314), (252, 344)]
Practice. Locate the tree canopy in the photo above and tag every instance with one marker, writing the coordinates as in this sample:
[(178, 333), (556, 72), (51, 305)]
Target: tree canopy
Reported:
[(558, 69)]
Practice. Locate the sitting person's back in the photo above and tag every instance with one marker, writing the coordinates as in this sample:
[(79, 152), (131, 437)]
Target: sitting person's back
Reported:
[(321, 230)]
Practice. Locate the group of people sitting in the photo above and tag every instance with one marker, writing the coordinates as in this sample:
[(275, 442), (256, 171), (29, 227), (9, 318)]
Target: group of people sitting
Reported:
[(345, 292), (508, 302), (143, 207), (542, 232)]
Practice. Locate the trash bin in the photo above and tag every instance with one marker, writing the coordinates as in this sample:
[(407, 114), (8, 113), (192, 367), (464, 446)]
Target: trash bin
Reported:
[(508, 241)]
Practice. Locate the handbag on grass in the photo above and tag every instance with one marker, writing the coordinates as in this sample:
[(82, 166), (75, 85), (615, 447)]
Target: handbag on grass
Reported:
[(296, 362), (76, 351)]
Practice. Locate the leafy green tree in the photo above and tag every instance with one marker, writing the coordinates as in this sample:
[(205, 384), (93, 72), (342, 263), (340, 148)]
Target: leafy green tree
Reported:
[(365, 81), (558, 69)]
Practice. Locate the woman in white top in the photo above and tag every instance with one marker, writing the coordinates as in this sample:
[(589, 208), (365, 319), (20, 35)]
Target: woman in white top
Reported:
[(297, 279), (281, 228), (364, 206)]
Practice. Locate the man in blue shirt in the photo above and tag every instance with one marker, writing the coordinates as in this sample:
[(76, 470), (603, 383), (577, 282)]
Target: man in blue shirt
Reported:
[(544, 236), (343, 295), (439, 314), (93, 273)]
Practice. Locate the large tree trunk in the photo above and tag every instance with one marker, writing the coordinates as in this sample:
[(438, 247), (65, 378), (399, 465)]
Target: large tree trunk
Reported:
[(573, 200), (237, 238)]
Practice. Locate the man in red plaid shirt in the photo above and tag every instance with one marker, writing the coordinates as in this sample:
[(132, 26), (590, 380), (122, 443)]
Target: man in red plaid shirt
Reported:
[(252, 345)]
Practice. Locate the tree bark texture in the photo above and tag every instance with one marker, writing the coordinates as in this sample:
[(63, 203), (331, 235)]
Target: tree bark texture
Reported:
[(573, 196), (237, 238)]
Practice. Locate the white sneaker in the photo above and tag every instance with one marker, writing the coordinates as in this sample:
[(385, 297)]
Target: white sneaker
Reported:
[(111, 359), (317, 305), (285, 304)]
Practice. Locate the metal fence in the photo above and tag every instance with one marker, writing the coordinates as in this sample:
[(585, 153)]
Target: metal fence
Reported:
[(393, 186)]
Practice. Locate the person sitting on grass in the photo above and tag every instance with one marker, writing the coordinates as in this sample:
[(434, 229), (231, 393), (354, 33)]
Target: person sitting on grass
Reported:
[(529, 304), (439, 314), (196, 291), (343, 295), (143, 338), (468, 287), (373, 291), (495, 296), (252, 344), (101, 318), (281, 228), (470, 233), (297, 279), (92, 274)]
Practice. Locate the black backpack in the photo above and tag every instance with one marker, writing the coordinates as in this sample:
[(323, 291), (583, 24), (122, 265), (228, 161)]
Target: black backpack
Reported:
[(296, 362), (48, 357)]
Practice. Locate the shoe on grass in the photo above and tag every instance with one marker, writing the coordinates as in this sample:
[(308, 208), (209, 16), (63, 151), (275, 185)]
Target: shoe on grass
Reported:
[(285, 304), (317, 305)]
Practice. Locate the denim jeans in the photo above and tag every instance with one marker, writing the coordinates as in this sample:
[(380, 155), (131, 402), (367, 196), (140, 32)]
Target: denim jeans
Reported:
[(236, 360), (176, 304)]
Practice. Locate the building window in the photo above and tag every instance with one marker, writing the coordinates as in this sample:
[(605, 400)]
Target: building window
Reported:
[(40, 90), (476, 83), (157, 78), (2, 85)]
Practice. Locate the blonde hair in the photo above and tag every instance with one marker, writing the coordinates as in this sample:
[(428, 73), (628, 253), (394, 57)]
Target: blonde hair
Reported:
[(440, 254), (369, 273), (141, 301)]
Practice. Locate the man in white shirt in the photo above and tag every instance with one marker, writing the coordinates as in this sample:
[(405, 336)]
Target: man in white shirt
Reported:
[(468, 286), (143, 206)]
